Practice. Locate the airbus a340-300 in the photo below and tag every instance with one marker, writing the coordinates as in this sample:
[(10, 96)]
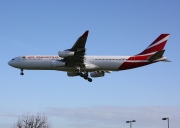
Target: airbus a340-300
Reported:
[(75, 62)]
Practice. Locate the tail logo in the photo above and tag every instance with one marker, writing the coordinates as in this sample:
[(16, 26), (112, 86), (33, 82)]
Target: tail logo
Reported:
[(157, 45)]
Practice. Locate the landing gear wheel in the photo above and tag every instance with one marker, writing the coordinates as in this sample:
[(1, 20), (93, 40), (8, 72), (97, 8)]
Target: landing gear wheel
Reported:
[(81, 75), (85, 74), (22, 72), (78, 72), (86, 78), (89, 79)]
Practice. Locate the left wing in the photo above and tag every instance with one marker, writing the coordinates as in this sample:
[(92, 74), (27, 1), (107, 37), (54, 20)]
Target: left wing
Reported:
[(79, 51)]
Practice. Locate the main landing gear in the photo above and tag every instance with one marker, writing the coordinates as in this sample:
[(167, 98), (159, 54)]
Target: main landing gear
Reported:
[(22, 72), (84, 75)]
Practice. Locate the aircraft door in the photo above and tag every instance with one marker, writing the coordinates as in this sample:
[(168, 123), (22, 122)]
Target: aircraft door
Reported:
[(18, 62)]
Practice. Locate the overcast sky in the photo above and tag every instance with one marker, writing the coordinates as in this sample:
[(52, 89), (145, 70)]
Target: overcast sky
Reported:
[(115, 27)]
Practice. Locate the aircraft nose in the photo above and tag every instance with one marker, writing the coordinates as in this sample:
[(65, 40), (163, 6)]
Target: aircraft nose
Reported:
[(10, 63)]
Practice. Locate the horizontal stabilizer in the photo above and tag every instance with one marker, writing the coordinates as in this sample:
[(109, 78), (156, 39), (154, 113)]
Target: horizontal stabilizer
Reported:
[(164, 59), (156, 56)]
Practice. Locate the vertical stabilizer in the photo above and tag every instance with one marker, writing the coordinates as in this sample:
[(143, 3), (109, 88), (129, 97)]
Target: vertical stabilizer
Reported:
[(157, 45)]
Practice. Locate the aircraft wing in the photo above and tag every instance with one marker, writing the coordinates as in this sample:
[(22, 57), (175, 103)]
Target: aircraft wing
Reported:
[(80, 51)]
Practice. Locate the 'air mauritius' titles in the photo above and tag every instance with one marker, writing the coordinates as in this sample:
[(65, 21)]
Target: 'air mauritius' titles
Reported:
[(41, 57)]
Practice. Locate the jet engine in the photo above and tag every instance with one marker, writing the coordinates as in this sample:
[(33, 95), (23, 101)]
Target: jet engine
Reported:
[(71, 74), (65, 53), (97, 74), (57, 63)]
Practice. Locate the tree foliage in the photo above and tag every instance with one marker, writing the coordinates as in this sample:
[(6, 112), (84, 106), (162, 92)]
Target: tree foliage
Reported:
[(32, 121)]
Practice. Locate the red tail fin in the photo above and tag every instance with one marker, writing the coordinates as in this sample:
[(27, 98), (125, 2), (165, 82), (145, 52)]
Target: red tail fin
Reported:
[(157, 45)]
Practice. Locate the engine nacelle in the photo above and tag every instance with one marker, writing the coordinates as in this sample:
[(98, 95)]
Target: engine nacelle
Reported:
[(71, 74), (97, 74), (57, 63), (65, 53)]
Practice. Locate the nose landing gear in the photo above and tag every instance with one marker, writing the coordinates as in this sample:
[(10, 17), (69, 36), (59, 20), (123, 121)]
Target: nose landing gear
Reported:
[(22, 72)]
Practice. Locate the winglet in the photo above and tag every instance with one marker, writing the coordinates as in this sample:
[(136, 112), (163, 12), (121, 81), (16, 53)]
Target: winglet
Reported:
[(85, 34), (81, 42)]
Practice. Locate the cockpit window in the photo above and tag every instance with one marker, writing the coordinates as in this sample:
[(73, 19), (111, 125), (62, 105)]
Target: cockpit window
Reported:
[(13, 59)]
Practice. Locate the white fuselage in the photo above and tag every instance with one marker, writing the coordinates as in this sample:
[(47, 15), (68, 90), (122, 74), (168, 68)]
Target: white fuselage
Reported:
[(75, 63), (92, 63)]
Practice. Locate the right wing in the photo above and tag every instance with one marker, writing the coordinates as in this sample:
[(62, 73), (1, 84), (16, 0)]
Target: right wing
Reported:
[(80, 43), (80, 51)]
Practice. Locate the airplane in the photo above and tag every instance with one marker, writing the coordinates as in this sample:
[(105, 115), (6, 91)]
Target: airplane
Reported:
[(75, 62)]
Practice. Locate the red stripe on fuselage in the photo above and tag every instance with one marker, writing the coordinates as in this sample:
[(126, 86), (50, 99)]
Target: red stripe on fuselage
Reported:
[(139, 57), (129, 65)]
